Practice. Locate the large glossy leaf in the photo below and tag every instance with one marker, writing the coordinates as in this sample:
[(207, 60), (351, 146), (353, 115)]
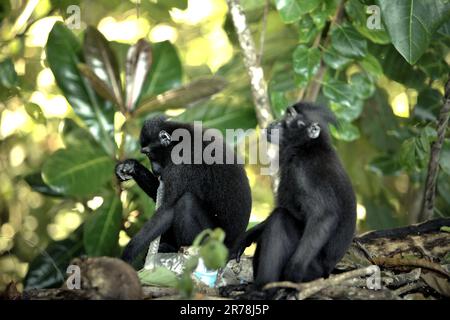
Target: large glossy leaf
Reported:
[(279, 103), (181, 97), (335, 60), (101, 229), (307, 30), (372, 65), (139, 61), (36, 183), (396, 68), (358, 16), (75, 136), (78, 171), (292, 10), (411, 24), (103, 62), (159, 276), (220, 116), (166, 72), (347, 41), (362, 85), (8, 75), (347, 111), (48, 269), (343, 100), (63, 55), (345, 131), (100, 86), (306, 63)]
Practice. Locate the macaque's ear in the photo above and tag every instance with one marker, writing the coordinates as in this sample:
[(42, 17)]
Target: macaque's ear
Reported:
[(313, 130), (164, 138)]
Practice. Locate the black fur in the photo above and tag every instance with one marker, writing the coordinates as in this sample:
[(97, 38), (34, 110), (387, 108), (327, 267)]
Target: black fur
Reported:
[(196, 196), (314, 220)]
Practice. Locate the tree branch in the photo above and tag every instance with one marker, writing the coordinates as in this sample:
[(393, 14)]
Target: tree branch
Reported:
[(312, 91), (433, 164), (310, 288), (254, 69)]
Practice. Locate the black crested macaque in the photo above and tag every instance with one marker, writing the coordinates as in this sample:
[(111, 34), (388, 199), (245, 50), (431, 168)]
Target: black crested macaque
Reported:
[(313, 223), (196, 196)]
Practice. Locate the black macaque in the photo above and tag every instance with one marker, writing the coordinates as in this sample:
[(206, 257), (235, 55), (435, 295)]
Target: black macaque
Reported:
[(313, 223), (196, 196)]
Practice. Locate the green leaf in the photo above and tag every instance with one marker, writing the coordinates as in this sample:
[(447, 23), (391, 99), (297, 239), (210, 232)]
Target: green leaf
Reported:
[(335, 60), (347, 41), (48, 269), (101, 229), (220, 116), (35, 112), (407, 154), (98, 84), (36, 183), (362, 85), (371, 65), (396, 68), (166, 72), (214, 253), (385, 166), (324, 12), (347, 112), (433, 65), (359, 17), (8, 75), (279, 103), (411, 24), (345, 131), (306, 63), (428, 104), (75, 136), (180, 4), (160, 277), (186, 285), (103, 62), (415, 151), (343, 100), (183, 96), (307, 30), (292, 10), (63, 56), (78, 171)]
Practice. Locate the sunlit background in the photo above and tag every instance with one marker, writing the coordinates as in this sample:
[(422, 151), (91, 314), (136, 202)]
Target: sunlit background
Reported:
[(29, 220)]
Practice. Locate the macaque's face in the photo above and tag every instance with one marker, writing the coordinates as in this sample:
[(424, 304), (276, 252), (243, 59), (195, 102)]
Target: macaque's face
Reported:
[(155, 141), (295, 127)]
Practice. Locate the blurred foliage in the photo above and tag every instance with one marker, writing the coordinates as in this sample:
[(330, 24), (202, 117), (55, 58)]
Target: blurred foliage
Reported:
[(72, 102)]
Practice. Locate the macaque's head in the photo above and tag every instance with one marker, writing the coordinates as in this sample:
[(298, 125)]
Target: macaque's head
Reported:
[(156, 141), (302, 124)]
